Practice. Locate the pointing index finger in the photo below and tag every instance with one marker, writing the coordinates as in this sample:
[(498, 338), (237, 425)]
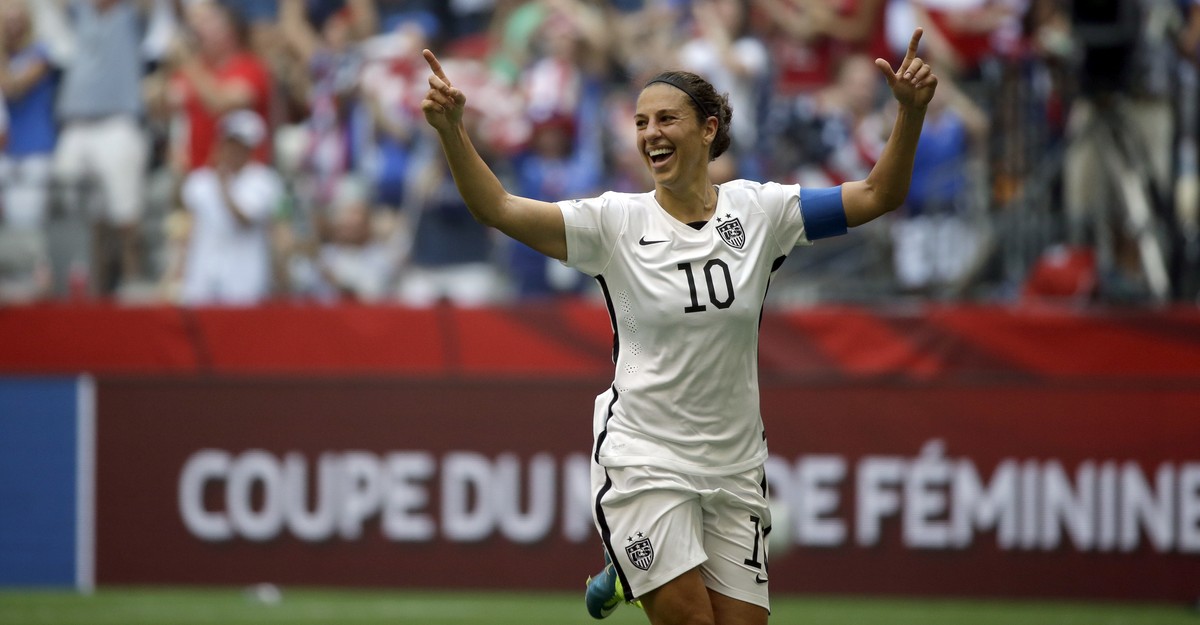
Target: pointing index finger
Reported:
[(435, 65), (912, 46)]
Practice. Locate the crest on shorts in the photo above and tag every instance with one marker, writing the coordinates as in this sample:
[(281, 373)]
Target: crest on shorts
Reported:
[(731, 231), (640, 551)]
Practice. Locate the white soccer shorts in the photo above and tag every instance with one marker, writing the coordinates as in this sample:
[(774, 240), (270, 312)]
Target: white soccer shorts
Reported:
[(658, 524)]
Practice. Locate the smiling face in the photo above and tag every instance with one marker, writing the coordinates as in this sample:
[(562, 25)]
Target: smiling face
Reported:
[(671, 136)]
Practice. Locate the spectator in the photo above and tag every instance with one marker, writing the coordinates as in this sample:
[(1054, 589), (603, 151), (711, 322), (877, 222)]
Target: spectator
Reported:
[(1122, 124), (963, 33), (331, 54), (817, 49), (468, 22), (24, 262), (28, 83), (452, 254), (389, 80), (513, 30), (736, 62), (353, 262), (836, 134), (99, 107), (213, 73), (626, 171), (936, 239), (646, 35), (807, 37), (231, 203), (256, 10), (545, 33), (266, 42), (568, 50), (25, 274), (563, 160)]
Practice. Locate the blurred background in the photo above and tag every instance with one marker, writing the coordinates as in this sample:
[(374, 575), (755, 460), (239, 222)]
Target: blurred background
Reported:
[(1059, 158), (250, 335)]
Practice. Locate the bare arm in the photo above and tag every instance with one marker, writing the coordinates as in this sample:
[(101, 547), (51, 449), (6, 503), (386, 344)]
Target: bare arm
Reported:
[(973, 117), (16, 84), (534, 223), (219, 98), (886, 186), (719, 35), (215, 95), (300, 36), (800, 24), (364, 18), (856, 27)]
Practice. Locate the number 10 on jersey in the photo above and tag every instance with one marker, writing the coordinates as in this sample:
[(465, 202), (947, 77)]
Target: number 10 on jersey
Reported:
[(714, 266)]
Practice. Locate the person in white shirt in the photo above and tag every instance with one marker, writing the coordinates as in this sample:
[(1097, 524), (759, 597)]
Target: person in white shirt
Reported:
[(677, 477), (231, 203)]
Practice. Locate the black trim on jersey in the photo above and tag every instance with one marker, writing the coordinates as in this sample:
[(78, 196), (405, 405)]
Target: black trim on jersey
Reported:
[(604, 432), (612, 314), (775, 265), (606, 538), (605, 532)]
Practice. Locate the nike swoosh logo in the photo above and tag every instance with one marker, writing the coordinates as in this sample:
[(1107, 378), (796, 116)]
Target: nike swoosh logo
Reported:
[(759, 579), (643, 241)]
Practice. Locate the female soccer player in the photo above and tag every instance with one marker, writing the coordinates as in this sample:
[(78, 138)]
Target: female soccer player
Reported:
[(677, 475)]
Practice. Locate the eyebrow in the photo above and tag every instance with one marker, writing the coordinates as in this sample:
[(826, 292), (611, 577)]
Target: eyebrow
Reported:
[(675, 110)]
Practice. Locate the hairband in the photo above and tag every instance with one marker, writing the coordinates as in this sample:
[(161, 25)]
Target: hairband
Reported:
[(678, 84)]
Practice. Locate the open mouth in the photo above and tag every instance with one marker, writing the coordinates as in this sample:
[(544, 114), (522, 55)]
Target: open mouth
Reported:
[(658, 156)]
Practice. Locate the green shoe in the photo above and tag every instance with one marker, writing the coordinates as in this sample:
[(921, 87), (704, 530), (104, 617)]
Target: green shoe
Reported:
[(604, 592)]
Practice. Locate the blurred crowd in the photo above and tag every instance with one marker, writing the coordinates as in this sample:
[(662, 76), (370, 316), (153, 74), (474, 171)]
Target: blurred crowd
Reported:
[(210, 152)]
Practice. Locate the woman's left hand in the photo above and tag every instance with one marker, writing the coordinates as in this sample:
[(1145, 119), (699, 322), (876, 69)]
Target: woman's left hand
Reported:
[(914, 83)]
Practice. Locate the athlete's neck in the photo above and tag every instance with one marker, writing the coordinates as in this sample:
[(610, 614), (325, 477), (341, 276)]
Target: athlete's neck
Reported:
[(696, 202)]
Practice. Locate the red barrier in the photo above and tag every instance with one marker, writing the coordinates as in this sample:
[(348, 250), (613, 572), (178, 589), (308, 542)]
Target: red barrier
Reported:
[(573, 339), (947, 450), (998, 489), (65, 339)]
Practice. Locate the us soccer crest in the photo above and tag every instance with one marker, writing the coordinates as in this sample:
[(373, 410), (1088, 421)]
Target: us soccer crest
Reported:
[(640, 552), (731, 231)]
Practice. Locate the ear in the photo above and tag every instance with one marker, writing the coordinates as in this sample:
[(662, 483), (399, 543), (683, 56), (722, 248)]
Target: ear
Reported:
[(710, 129)]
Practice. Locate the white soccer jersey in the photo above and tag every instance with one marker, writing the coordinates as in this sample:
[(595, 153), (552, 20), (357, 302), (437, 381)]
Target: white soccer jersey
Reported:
[(685, 306)]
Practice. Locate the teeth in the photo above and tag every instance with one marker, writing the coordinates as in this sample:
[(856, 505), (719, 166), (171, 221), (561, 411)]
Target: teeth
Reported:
[(660, 151)]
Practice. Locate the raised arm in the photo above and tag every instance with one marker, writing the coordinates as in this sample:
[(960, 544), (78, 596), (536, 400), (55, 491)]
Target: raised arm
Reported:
[(299, 35), (885, 188), (536, 224), (15, 84)]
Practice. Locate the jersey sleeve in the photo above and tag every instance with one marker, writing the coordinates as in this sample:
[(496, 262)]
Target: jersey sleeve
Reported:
[(593, 226), (781, 202)]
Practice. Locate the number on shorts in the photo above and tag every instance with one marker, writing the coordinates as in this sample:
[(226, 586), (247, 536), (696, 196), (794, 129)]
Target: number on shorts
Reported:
[(753, 559)]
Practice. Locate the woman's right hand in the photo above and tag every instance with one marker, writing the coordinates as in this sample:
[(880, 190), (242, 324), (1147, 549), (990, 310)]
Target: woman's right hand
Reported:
[(443, 104)]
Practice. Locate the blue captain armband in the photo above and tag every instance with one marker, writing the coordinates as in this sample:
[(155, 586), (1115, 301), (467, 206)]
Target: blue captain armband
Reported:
[(823, 213)]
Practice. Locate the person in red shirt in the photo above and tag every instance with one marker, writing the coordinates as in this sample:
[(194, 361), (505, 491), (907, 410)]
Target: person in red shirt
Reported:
[(214, 73), (808, 37)]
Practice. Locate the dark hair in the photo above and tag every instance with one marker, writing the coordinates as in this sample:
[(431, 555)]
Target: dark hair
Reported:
[(706, 101)]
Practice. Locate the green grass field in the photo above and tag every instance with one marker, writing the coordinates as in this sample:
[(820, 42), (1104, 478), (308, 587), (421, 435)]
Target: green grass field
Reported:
[(218, 606)]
